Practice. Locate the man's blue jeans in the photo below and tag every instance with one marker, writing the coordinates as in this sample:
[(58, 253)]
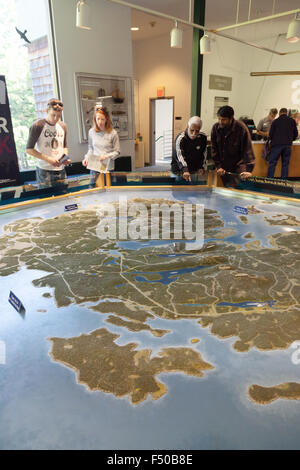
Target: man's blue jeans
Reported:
[(276, 151), (49, 178)]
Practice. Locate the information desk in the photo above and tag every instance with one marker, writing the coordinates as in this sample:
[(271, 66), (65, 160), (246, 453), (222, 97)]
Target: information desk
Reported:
[(150, 342), (261, 166)]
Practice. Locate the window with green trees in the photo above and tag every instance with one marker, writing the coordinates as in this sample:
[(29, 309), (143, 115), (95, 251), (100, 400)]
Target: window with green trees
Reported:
[(25, 60)]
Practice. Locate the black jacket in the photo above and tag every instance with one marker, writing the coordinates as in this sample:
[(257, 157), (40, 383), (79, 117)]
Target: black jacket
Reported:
[(283, 130), (188, 154), (231, 149)]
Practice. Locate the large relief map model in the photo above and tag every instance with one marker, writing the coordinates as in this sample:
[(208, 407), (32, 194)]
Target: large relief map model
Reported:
[(247, 292)]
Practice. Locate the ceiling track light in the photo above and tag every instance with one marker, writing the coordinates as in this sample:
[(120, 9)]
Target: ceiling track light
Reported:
[(83, 15), (205, 46), (176, 37), (293, 33)]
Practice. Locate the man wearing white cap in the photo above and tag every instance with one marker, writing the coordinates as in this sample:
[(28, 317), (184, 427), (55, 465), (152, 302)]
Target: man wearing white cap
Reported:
[(188, 154)]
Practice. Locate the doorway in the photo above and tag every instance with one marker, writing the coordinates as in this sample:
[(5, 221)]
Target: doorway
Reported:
[(161, 130)]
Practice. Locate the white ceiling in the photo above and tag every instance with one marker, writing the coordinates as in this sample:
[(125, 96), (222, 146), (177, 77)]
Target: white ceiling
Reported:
[(218, 13), (178, 8)]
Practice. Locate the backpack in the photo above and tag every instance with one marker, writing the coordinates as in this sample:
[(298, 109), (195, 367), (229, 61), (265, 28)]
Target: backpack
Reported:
[(266, 150)]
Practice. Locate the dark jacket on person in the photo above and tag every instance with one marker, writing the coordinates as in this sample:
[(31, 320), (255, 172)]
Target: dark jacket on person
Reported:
[(231, 148), (283, 130), (188, 154)]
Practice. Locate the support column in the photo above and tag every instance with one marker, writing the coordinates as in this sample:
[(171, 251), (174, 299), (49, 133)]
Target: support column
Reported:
[(100, 181), (197, 59), (108, 180)]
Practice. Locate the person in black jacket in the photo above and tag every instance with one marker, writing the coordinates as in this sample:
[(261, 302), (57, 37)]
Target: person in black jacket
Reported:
[(231, 148), (282, 133), (188, 154)]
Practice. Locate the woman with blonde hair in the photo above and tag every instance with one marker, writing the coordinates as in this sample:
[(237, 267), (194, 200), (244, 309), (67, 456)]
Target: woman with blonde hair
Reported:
[(103, 144)]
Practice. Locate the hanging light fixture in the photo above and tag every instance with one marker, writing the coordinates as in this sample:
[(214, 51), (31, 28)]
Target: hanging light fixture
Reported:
[(83, 15), (293, 33), (205, 47), (176, 37)]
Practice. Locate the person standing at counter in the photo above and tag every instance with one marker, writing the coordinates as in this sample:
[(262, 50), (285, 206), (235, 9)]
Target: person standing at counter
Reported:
[(50, 137), (296, 117), (104, 145), (231, 147), (188, 154), (282, 133), (264, 124)]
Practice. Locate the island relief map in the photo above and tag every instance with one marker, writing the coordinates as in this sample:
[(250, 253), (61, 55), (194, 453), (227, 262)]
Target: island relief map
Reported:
[(249, 292)]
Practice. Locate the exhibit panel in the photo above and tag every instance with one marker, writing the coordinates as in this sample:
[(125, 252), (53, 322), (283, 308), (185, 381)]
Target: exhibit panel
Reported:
[(132, 340), (112, 92)]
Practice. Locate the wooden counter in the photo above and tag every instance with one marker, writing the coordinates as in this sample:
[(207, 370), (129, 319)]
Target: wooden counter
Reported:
[(261, 166), (139, 154)]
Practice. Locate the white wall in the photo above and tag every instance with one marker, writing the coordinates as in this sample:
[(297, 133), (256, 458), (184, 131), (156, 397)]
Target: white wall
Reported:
[(106, 49), (157, 64), (276, 91), (252, 96)]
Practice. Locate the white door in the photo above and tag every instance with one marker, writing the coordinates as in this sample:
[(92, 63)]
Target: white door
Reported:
[(163, 129)]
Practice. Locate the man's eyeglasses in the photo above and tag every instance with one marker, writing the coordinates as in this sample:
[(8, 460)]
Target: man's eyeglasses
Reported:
[(56, 105), (101, 108)]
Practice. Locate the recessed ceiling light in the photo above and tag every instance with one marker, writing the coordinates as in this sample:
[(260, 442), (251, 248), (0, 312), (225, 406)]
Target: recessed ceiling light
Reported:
[(134, 28)]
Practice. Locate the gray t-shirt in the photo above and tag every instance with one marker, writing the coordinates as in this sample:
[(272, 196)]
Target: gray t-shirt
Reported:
[(264, 125), (50, 140)]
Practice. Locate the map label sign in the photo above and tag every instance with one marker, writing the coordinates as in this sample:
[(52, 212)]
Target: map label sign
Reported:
[(15, 302), (241, 210), (71, 207)]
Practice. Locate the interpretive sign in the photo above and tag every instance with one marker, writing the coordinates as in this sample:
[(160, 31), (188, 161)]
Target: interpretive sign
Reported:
[(218, 82)]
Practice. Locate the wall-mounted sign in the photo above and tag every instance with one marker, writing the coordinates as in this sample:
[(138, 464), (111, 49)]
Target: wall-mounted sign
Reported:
[(219, 102), (9, 166), (160, 92), (218, 82)]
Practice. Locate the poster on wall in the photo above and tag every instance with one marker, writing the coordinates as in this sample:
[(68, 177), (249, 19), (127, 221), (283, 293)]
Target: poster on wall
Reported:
[(114, 92), (218, 103), (218, 82), (9, 166)]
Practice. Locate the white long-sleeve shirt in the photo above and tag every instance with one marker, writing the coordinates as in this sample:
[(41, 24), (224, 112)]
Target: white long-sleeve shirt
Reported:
[(104, 143)]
